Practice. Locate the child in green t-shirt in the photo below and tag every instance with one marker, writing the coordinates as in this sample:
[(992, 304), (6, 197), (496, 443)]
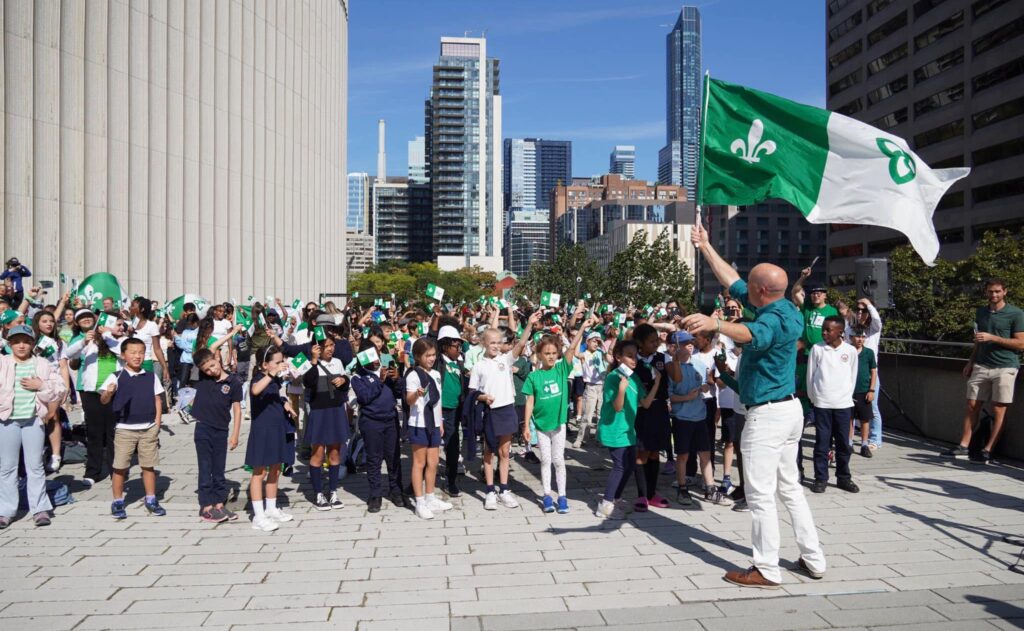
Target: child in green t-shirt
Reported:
[(547, 405), (623, 394)]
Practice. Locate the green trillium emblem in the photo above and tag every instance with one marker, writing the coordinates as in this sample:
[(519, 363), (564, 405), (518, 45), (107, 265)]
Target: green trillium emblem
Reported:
[(902, 168)]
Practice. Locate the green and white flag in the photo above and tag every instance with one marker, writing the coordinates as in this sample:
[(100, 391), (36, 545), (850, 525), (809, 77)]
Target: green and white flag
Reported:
[(423, 328), (104, 320), (296, 303), (301, 364), (96, 287), (319, 334), (435, 292), (355, 294), (175, 308), (549, 299), (245, 321), (367, 357), (833, 168), (47, 347)]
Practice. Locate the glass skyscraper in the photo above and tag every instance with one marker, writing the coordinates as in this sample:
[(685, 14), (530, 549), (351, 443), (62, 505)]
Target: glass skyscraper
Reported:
[(463, 132), (678, 165), (532, 169), (622, 161), (358, 202)]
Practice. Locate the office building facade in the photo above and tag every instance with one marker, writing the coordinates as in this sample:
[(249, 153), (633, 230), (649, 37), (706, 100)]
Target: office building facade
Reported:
[(417, 161), (677, 161), (181, 146), (360, 251), (358, 216), (463, 155), (948, 76), (401, 221), (532, 169), (622, 161), (526, 240)]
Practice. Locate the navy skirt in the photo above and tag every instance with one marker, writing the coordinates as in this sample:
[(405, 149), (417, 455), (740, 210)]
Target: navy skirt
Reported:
[(328, 426), (425, 437), (504, 421), (653, 428), (267, 444)]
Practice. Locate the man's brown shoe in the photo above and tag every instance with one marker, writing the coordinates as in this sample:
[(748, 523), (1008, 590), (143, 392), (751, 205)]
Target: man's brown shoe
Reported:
[(750, 577)]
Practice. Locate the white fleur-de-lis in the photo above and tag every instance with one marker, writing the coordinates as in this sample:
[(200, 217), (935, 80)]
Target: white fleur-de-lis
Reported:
[(753, 148)]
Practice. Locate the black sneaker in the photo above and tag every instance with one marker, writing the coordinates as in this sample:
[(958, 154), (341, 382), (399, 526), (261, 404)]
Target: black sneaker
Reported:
[(956, 452), (715, 496), (865, 451), (819, 486), (982, 458), (531, 458), (321, 502), (741, 506), (373, 505), (401, 500), (683, 496), (848, 485), (453, 489)]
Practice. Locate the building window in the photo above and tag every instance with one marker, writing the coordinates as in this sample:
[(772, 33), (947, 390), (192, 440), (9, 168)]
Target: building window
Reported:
[(999, 113), (939, 65), (887, 29), (940, 30), (762, 222), (884, 247), (924, 6), (850, 108), (893, 87), (953, 129), (948, 163), (835, 6), (890, 120), (845, 251), (762, 248), (999, 190), (939, 100), (782, 221), (981, 7), (848, 81), (1012, 225), (741, 221), (877, 5), (845, 55), (998, 75), (845, 27), (998, 37), (951, 200), (1001, 151), (882, 62)]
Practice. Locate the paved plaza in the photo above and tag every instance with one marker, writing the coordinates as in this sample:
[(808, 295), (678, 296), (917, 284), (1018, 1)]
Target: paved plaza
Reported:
[(919, 548)]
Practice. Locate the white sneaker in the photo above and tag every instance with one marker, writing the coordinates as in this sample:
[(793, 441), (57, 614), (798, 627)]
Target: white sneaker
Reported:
[(265, 524), (604, 509), (278, 515), (508, 500), (422, 511), (336, 501), (321, 502), (491, 501), (54, 463), (436, 504)]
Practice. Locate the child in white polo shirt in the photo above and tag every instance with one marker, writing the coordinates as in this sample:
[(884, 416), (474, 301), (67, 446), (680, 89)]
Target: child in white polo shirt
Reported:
[(831, 377), (491, 377)]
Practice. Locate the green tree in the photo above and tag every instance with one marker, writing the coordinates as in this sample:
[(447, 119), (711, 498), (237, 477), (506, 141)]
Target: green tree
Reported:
[(572, 273), (646, 273), (408, 282)]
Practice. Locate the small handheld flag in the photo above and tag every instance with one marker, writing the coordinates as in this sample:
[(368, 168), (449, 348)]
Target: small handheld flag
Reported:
[(301, 364), (367, 357), (319, 334), (549, 299), (435, 292)]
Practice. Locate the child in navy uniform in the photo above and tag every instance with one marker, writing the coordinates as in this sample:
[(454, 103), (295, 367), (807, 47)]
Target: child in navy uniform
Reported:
[(268, 447), (136, 396), (327, 423), (218, 399), (378, 423), (426, 430)]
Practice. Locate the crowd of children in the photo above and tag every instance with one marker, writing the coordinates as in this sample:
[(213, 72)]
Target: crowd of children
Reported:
[(316, 380)]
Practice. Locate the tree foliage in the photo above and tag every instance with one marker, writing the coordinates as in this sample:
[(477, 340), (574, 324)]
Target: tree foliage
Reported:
[(572, 274), (649, 273), (938, 303), (408, 281)]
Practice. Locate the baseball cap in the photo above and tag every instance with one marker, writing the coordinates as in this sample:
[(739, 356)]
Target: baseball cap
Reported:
[(448, 333), (681, 337), (817, 287), (21, 329)]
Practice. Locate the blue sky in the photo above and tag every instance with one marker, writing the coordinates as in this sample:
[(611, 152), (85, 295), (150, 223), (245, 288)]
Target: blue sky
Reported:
[(589, 71)]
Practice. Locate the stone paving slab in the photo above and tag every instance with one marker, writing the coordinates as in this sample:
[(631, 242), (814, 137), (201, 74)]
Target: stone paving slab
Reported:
[(920, 547)]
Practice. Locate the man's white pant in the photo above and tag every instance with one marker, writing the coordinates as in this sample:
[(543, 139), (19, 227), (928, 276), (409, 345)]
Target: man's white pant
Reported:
[(769, 444)]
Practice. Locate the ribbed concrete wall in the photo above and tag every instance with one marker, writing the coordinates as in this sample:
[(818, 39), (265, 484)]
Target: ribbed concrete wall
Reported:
[(183, 145)]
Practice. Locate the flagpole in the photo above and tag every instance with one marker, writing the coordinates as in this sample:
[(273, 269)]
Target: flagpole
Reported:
[(697, 280)]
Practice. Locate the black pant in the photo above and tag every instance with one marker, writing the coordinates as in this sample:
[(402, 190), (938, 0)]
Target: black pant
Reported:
[(832, 426), (99, 434), (452, 445), (711, 406), (623, 463), (380, 439), (181, 377), (211, 456)]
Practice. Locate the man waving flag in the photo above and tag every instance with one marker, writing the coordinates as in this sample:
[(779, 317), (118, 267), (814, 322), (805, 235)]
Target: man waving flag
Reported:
[(833, 168)]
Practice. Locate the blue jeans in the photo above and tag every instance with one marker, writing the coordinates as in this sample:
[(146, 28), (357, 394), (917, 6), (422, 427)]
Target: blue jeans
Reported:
[(875, 437), (832, 427), (623, 462), (211, 456), (15, 437)]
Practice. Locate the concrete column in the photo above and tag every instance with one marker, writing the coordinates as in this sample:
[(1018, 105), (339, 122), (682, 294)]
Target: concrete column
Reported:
[(157, 143), (96, 175), (176, 245)]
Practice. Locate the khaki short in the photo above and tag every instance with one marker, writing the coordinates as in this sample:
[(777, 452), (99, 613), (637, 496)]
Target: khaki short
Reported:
[(991, 384), (128, 441)]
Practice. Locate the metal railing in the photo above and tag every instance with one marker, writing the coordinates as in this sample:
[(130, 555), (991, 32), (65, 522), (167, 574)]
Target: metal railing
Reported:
[(926, 348)]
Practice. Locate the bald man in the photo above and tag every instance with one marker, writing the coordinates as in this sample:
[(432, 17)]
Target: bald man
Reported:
[(774, 423)]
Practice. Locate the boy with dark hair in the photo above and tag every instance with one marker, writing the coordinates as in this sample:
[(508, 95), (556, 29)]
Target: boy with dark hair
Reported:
[(831, 379), (218, 401), (136, 396)]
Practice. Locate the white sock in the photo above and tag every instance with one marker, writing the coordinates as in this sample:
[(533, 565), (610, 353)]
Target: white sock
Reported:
[(271, 503), (420, 500), (257, 509)]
